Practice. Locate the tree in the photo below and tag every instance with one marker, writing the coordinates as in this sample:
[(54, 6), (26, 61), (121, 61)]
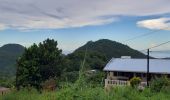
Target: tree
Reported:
[(94, 60), (38, 64)]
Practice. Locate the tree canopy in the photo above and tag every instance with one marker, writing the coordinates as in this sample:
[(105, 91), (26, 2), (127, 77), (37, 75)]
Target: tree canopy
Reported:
[(38, 64)]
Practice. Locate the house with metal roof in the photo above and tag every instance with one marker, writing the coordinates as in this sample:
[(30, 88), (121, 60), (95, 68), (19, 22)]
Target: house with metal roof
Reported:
[(121, 70)]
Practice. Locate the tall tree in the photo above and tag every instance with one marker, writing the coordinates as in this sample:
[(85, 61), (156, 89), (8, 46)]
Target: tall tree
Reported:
[(38, 64)]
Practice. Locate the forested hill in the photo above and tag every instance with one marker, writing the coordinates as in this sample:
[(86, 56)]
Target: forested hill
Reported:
[(111, 49), (99, 52), (8, 56)]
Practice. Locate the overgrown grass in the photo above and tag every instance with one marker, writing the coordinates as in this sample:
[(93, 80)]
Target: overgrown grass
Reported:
[(88, 93)]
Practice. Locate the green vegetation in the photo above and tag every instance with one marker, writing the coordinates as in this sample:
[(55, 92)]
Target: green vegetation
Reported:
[(82, 90), (135, 81), (38, 64), (7, 82), (99, 53), (94, 60), (8, 56), (111, 49), (77, 76), (159, 84)]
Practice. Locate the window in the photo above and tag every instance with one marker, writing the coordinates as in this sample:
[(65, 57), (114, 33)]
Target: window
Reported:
[(138, 74), (115, 73)]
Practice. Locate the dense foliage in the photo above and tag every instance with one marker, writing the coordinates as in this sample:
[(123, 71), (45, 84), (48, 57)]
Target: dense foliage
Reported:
[(98, 54), (7, 81), (160, 83), (94, 60), (38, 64)]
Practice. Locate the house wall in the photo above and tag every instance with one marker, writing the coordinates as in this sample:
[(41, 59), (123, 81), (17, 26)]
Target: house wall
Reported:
[(123, 78), (112, 75), (125, 75)]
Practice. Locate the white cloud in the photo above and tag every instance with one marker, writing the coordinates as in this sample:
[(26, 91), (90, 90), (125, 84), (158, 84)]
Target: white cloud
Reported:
[(52, 14), (2, 27), (160, 23)]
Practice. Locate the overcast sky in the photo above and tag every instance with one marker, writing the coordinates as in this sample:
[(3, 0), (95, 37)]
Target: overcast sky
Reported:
[(74, 22)]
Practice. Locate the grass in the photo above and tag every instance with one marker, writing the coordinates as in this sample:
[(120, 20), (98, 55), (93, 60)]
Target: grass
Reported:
[(88, 93)]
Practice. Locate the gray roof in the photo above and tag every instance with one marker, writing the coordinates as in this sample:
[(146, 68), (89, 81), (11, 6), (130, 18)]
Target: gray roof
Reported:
[(138, 65)]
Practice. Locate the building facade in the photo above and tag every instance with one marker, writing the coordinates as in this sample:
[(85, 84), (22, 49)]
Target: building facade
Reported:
[(121, 70)]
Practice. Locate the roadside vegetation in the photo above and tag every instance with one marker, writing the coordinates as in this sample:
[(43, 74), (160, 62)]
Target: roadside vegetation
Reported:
[(82, 90)]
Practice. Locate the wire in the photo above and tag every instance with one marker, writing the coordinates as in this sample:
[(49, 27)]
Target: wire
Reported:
[(159, 45), (145, 34), (159, 51), (156, 46)]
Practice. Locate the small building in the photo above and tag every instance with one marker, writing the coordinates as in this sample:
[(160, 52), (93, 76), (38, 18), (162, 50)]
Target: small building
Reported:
[(121, 70)]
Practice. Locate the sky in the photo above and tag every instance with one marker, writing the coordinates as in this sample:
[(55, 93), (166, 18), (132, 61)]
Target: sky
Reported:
[(74, 22)]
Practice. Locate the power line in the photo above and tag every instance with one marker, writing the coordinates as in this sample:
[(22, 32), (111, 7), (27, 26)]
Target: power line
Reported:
[(145, 34), (160, 44), (160, 51), (156, 46)]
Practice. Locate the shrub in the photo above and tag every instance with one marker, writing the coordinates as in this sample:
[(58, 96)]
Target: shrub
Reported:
[(49, 85), (135, 81), (158, 83)]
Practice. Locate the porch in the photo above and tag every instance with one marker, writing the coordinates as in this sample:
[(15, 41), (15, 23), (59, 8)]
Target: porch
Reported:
[(109, 82)]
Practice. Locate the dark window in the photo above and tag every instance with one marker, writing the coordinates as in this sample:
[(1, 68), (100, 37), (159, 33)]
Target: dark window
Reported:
[(115, 73), (121, 74), (138, 74)]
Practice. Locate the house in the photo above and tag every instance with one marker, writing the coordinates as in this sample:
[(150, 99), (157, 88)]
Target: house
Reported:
[(121, 70)]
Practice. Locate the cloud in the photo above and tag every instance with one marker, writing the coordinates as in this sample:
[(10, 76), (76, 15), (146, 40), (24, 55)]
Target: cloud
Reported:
[(53, 14), (156, 24), (2, 27)]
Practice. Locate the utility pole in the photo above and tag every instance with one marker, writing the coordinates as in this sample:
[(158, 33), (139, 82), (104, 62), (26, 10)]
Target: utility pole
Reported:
[(147, 68)]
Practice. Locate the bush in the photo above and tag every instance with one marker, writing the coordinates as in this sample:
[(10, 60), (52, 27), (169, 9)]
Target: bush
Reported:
[(95, 78), (135, 81), (7, 82), (158, 83), (49, 85), (69, 76)]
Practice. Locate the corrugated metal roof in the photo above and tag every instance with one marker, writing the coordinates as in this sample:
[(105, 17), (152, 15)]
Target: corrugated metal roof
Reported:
[(138, 65)]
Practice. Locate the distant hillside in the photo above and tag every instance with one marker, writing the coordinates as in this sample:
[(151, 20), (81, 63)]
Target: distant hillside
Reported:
[(111, 49), (8, 55), (166, 58)]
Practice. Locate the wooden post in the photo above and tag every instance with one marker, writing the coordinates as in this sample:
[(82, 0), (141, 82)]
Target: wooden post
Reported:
[(147, 68)]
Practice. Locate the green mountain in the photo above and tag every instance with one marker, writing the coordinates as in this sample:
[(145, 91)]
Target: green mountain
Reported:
[(8, 56), (111, 49), (98, 54)]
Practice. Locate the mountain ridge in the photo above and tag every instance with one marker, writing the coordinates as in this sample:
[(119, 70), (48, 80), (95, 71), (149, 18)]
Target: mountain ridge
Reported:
[(8, 56), (111, 49)]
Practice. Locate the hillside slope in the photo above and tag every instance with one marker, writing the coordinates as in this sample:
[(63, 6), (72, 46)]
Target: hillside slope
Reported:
[(111, 49), (98, 54), (8, 56)]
